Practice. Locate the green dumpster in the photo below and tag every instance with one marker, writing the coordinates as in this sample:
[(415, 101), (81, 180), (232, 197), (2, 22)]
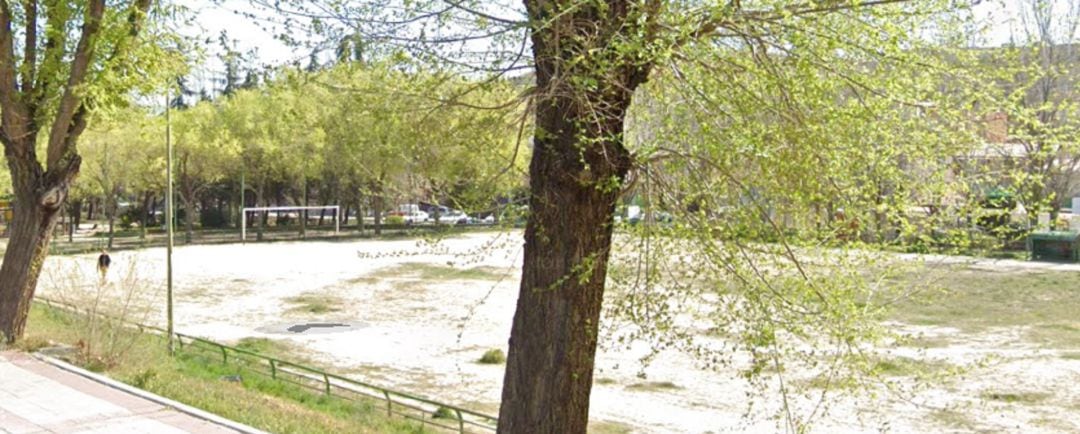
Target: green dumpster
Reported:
[(1054, 246)]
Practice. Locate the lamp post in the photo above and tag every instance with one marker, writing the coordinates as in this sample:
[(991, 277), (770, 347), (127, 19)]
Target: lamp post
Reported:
[(169, 223)]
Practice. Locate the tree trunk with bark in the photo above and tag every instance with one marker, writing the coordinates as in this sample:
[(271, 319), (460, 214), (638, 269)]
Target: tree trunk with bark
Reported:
[(144, 217), (260, 218), (377, 205), (29, 86), (110, 217), (303, 213), (575, 178)]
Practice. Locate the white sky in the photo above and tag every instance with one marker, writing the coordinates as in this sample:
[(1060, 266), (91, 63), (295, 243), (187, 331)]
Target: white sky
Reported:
[(1000, 17)]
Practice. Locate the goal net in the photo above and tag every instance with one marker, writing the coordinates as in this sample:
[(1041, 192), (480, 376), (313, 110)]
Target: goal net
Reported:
[(243, 221)]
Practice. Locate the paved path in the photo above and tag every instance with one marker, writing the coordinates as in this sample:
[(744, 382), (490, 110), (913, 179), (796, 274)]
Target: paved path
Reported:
[(36, 397)]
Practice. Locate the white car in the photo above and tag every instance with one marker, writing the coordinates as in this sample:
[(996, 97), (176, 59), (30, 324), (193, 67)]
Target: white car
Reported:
[(453, 217), (415, 217)]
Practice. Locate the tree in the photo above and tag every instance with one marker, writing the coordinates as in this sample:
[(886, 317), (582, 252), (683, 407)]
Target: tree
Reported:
[(112, 151), (74, 57), (246, 116), (589, 57), (1037, 93), (200, 149)]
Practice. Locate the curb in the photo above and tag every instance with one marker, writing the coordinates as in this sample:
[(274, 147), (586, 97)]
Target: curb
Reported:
[(191, 411)]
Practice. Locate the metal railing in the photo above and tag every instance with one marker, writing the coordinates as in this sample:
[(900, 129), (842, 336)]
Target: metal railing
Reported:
[(426, 411)]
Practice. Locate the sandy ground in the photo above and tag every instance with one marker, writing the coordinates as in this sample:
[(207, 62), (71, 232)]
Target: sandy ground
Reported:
[(425, 335)]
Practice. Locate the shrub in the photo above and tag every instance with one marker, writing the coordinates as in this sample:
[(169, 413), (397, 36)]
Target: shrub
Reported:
[(213, 218), (444, 413), (493, 357), (105, 305), (395, 220)]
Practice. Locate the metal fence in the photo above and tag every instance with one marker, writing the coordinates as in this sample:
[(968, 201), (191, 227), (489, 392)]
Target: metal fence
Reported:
[(426, 411)]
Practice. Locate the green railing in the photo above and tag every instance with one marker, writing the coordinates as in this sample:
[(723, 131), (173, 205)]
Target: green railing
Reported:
[(426, 411)]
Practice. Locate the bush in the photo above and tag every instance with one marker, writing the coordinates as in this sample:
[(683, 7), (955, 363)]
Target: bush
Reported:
[(213, 218), (493, 357), (106, 307), (444, 413), (133, 216), (394, 220)]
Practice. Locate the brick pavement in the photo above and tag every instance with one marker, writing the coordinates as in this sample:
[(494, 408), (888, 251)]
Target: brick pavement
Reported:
[(37, 397)]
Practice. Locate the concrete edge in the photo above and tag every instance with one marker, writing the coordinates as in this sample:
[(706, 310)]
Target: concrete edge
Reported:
[(183, 408)]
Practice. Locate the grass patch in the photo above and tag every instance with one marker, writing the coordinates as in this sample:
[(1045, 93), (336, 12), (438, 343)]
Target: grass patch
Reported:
[(425, 271), (976, 300), (255, 400), (654, 386), (444, 413), (268, 347), (314, 303), (906, 366), (1072, 355), (953, 419), (604, 381), (609, 428), (493, 356), (1016, 397)]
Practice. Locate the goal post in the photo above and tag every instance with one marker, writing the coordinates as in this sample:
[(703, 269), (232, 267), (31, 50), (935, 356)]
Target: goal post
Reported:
[(245, 211)]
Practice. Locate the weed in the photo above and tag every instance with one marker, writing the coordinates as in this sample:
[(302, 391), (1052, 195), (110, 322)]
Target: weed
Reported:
[(654, 386), (444, 413), (314, 303), (493, 356), (1016, 397)]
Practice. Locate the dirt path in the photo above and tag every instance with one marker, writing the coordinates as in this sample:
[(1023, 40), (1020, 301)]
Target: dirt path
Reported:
[(423, 314)]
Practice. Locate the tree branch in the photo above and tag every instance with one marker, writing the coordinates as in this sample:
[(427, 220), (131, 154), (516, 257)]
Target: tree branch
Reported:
[(29, 66), (13, 122), (80, 65)]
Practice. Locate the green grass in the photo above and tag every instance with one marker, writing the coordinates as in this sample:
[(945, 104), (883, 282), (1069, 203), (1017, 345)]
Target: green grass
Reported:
[(654, 386), (977, 300), (258, 401), (609, 428), (314, 303), (954, 419), (1016, 397), (493, 356), (906, 366), (424, 271)]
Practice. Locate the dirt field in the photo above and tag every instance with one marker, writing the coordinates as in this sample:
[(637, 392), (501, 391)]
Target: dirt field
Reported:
[(418, 316)]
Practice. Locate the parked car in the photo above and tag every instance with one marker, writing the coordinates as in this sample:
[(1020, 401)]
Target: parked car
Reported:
[(415, 217), (453, 217)]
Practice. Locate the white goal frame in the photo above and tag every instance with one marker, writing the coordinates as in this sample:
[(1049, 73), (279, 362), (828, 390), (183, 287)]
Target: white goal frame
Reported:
[(244, 211)]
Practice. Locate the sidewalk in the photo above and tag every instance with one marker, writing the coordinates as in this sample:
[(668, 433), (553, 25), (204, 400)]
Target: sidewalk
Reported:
[(37, 397)]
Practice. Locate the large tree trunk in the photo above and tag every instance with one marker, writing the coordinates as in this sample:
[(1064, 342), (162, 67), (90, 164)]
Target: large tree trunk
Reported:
[(38, 199), (553, 342), (28, 244), (575, 177)]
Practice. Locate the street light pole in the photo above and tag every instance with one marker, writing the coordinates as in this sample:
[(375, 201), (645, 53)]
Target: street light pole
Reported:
[(169, 223)]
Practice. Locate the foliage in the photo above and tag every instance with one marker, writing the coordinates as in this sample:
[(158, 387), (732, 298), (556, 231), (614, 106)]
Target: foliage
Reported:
[(768, 129), (493, 356)]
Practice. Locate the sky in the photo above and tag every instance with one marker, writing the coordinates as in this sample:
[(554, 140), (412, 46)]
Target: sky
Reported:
[(1001, 17)]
